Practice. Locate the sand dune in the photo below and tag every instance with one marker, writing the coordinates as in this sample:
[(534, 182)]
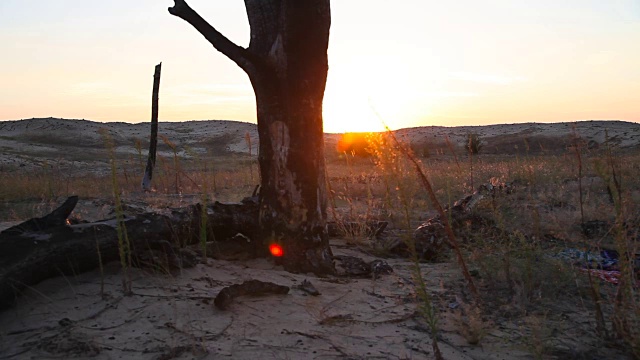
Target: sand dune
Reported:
[(34, 141)]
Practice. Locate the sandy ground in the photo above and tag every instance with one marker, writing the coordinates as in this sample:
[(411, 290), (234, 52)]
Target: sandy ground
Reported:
[(173, 317)]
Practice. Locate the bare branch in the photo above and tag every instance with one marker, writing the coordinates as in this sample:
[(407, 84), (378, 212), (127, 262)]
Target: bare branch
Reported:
[(238, 54)]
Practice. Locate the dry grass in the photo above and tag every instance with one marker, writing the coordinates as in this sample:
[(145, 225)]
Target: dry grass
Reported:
[(514, 259)]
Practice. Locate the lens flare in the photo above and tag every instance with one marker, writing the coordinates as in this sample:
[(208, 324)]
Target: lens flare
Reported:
[(276, 250)]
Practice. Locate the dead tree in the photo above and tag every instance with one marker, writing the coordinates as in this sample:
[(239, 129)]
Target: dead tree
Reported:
[(153, 139), (287, 64)]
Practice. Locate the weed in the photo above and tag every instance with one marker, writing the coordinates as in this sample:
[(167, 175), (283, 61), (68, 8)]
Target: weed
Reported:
[(538, 337), (443, 217), (101, 265), (176, 168), (124, 246), (626, 317), (470, 323), (474, 144), (138, 145), (247, 139)]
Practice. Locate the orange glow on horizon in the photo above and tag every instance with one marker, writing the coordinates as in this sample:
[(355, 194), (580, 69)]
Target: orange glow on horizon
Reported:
[(354, 143)]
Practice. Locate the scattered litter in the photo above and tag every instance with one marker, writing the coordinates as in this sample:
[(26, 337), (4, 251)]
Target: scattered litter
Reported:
[(603, 259), (308, 287), (612, 276), (602, 264)]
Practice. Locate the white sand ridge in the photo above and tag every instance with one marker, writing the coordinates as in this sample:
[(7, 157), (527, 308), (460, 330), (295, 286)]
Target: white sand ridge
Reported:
[(33, 142)]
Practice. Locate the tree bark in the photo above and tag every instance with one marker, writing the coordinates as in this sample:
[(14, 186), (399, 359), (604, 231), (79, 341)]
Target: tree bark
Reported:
[(287, 64)]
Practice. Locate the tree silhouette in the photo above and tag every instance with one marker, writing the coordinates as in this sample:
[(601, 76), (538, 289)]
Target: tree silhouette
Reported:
[(287, 64)]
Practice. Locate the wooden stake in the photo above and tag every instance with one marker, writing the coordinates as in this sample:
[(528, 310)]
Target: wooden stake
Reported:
[(153, 141)]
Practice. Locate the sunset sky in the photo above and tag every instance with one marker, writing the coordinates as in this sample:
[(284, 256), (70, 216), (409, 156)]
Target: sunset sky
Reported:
[(408, 62)]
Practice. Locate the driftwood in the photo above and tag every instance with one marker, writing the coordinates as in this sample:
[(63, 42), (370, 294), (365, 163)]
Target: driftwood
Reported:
[(308, 287), (247, 288), (50, 246), (57, 217), (349, 228), (430, 238), (355, 267), (46, 247)]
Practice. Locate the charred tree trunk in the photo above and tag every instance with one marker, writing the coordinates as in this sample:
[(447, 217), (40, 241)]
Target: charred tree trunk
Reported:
[(287, 65), (153, 139)]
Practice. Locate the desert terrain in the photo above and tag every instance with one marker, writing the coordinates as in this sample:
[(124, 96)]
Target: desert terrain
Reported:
[(74, 143), (534, 250)]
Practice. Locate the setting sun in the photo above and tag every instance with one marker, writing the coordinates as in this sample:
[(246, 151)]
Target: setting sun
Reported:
[(364, 95)]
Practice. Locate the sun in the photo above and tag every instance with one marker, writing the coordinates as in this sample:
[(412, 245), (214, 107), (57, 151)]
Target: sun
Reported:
[(363, 96), (347, 107)]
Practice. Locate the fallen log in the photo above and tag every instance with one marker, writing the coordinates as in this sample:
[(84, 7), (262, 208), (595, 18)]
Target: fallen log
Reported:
[(349, 228), (46, 247), (57, 217), (248, 288), (430, 238), (355, 267)]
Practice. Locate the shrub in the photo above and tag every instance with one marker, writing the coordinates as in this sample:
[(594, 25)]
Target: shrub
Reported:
[(474, 144)]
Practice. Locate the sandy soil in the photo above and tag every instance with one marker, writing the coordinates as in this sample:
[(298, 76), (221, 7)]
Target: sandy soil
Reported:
[(172, 316)]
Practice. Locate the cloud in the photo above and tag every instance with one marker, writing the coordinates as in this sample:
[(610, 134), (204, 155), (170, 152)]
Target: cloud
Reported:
[(223, 94), (91, 87), (447, 94), (488, 78)]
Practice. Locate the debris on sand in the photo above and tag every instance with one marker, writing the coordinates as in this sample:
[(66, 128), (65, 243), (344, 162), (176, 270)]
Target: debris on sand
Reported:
[(251, 288)]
